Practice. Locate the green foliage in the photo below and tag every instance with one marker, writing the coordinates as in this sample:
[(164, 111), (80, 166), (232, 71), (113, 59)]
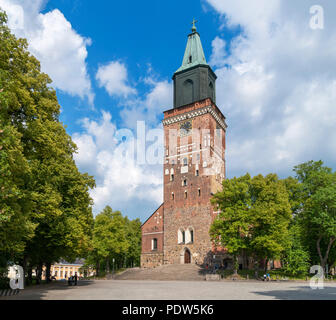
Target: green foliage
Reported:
[(231, 228), (109, 235), (115, 237), (296, 258), (318, 216), (293, 219), (45, 205), (255, 215), (270, 217)]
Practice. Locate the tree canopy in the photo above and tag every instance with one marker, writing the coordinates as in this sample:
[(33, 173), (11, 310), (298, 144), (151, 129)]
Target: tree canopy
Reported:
[(46, 210)]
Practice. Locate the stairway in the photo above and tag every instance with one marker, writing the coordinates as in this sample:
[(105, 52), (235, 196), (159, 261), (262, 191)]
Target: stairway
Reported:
[(180, 272)]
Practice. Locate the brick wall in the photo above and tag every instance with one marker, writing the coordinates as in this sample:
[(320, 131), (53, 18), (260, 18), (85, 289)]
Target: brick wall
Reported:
[(188, 206), (152, 229)]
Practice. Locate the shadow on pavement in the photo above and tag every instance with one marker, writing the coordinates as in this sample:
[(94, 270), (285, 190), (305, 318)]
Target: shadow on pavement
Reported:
[(39, 292), (301, 293)]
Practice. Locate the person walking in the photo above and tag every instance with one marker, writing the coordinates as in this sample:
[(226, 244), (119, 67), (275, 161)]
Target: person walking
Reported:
[(76, 278)]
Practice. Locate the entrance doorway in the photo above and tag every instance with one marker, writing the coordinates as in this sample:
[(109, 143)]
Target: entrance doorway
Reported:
[(187, 256)]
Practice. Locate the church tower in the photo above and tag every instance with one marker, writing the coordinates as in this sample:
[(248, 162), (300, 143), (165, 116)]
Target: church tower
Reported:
[(194, 166)]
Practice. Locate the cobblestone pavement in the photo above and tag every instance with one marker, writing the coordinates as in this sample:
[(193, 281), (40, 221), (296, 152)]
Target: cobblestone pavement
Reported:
[(176, 290)]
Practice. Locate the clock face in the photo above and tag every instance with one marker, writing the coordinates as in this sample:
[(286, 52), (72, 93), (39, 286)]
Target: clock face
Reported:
[(185, 128)]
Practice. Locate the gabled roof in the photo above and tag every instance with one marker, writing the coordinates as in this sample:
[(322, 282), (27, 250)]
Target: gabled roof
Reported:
[(194, 54), (152, 214)]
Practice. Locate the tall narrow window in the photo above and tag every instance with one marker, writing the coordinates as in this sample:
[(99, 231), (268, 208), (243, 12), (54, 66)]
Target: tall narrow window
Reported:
[(185, 182), (185, 194), (190, 59), (197, 173), (185, 161), (191, 236), (199, 192), (172, 196), (154, 244), (183, 237), (172, 174)]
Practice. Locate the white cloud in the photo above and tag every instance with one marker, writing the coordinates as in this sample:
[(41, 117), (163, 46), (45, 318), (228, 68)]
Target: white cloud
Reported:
[(134, 189), (60, 49), (135, 107), (279, 91), (149, 108), (113, 77), (218, 52)]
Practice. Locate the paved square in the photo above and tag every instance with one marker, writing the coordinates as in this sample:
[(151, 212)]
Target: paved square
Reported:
[(176, 290)]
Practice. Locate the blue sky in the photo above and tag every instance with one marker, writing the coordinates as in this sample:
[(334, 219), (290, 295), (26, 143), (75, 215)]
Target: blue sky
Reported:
[(138, 33), (111, 63)]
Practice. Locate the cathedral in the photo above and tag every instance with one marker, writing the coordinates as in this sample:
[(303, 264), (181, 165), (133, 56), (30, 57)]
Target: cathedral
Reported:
[(194, 167)]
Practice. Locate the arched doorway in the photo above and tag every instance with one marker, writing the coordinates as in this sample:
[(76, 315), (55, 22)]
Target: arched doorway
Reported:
[(187, 256)]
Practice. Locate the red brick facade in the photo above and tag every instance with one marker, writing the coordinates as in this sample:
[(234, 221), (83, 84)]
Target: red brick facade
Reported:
[(194, 168), (152, 231)]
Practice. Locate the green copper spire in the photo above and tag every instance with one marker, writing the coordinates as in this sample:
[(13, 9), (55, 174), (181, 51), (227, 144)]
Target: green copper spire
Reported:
[(194, 54)]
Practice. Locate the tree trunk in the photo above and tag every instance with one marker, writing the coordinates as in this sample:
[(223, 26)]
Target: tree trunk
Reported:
[(39, 273), (97, 268), (266, 263), (30, 275), (48, 266), (107, 265), (256, 268), (324, 259), (235, 265), (24, 267)]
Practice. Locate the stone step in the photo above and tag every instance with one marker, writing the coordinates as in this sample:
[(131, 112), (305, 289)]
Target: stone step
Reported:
[(186, 272)]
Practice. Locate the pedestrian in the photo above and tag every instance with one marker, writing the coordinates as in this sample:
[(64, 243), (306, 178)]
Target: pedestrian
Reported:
[(76, 278)]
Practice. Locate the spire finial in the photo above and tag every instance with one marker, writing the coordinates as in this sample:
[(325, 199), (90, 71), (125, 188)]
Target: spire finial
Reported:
[(194, 26)]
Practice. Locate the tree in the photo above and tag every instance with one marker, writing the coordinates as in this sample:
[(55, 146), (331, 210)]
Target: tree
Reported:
[(230, 229), (319, 209), (296, 257), (109, 236), (15, 201), (271, 216), (133, 236), (48, 210), (255, 215)]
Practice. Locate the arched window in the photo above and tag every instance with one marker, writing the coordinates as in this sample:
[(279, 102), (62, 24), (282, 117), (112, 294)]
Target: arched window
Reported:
[(171, 174), (181, 236), (190, 235), (188, 91)]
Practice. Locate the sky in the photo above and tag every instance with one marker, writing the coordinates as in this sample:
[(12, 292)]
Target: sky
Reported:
[(111, 63)]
